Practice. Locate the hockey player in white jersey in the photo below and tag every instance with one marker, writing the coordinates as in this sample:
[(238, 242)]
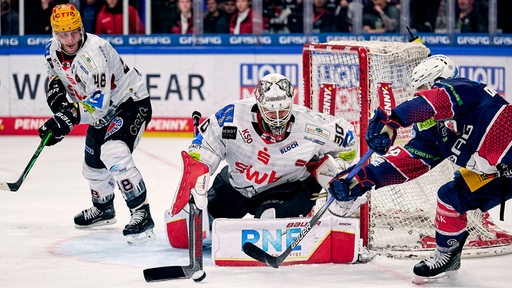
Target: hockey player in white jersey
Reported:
[(89, 83), (269, 146)]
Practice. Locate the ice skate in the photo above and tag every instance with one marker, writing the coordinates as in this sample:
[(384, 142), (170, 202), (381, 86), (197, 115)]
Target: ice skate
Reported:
[(140, 228), (439, 264), (94, 216)]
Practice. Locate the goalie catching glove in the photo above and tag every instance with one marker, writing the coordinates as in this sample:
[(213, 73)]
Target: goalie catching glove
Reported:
[(381, 131), (343, 190), (324, 171)]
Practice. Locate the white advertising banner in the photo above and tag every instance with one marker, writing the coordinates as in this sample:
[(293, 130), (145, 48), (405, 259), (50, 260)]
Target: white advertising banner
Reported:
[(180, 83)]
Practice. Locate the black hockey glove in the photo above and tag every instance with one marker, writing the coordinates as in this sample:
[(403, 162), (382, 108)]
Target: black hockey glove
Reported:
[(56, 96), (381, 132), (59, 125), (343, 190)]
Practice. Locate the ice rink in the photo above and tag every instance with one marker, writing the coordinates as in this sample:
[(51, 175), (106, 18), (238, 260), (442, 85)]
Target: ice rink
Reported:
[(39, 246)]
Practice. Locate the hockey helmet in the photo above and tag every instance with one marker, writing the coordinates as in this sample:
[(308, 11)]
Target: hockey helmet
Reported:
[(432, 69), (65, 17), (274, 95)]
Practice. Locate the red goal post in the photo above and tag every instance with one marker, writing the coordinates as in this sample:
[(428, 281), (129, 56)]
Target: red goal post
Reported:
[(398, 220)]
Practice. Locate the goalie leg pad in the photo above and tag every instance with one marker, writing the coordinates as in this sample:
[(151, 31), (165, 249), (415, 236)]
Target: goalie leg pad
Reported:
[(177, 228)]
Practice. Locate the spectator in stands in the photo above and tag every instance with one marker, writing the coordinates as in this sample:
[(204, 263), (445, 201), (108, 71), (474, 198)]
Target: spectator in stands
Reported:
[(110, 19), (323, 19), (37, 18), (242, 21), (213, 14), (472, 16), (384, 17), (10, 19), (295, 23), (277, 12), (183, 22), (342, 16), (89, 9), (504, 16), (229, 8), (424, 14), (163, 12)]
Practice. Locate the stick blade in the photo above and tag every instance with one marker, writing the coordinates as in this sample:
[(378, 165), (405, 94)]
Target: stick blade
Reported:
[(255, 252), (166, 273), (9, 186)]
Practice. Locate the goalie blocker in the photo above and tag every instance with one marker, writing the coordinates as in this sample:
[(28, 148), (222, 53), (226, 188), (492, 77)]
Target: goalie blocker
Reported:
[(336, 239)]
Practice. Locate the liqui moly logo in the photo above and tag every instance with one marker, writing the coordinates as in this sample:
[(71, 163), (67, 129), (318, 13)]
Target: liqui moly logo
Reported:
[(327, 98), (494, 77), (250, 75), (345, 76), (386, 97)]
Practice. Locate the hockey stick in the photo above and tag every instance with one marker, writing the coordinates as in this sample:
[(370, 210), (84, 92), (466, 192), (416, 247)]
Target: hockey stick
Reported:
[(16, 185), (273, 261), (195, 243)]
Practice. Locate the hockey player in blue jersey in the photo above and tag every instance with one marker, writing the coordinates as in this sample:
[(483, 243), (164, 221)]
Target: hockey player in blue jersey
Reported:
[(454, 118)]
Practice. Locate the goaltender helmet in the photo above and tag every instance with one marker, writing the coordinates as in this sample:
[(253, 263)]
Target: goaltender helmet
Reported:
[(432, 69), (274, 96), (65, 17)]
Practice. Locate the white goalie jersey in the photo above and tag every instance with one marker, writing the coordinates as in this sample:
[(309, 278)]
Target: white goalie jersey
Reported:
[(95, 78), (256, 162)]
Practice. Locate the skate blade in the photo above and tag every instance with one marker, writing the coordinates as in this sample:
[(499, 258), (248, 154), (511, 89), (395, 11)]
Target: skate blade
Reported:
[(441, 277), (141, 238), (97, 224)]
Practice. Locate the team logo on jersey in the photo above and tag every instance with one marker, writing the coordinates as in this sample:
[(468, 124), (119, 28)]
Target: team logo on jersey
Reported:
[(317, 131), (426, 124), (88, 61), (96, 100), (225, 114), (114, 126), (314, 140), (229, 132), (289, 147), (246, 136), (66, 65)]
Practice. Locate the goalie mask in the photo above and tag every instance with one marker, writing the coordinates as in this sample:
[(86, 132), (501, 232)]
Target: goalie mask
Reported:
[(274, 96), (432, 69)]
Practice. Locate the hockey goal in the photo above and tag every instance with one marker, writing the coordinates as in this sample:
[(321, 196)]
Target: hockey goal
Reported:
[(345, 78)]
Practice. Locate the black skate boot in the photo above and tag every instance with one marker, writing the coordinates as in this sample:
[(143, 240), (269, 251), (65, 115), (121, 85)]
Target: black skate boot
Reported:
[(439, 263), (140, 228), (97, 215)]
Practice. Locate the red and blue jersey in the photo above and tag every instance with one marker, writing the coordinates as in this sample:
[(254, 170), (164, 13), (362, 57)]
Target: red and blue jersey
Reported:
[(458, 119)]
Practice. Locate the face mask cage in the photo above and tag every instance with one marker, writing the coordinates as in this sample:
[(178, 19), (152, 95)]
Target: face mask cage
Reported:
[(275, 103)]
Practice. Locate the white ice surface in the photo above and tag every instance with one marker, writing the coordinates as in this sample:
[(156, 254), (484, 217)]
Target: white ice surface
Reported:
[(39, 246)]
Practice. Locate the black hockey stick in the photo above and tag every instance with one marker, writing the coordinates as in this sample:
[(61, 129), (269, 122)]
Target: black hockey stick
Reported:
[(16, 185), (273, 261), (195, 242)]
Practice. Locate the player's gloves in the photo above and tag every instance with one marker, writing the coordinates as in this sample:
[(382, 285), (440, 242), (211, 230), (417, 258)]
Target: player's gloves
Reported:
[(59, 125), (381, 132), (56, 96), (343, 190), (347, 208)]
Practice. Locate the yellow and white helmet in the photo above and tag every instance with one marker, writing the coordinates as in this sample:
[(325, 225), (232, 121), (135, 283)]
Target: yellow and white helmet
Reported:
[(65, 17)]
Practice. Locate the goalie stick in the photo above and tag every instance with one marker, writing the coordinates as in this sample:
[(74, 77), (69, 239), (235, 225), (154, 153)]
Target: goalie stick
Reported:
[(16, 185), (195, 241), (273, 261)]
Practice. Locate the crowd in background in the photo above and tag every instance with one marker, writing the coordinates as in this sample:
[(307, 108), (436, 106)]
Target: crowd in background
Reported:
[(277, 16)]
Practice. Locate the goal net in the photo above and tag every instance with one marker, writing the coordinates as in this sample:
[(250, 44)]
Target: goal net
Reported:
[(345, 78)]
